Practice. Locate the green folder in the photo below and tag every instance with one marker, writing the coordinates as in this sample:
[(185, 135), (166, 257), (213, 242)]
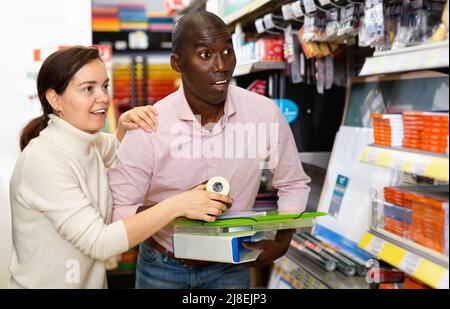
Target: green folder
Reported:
[(272, 221)]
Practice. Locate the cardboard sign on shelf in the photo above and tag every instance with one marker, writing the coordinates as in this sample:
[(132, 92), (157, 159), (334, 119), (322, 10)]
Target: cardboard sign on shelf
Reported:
[(351, 221)]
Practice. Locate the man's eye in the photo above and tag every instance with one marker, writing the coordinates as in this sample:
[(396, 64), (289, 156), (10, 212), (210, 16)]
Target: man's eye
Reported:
[(228, 51), (205, 54)]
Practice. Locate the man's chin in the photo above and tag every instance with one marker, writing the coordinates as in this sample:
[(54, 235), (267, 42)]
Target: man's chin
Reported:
[(219, 99)]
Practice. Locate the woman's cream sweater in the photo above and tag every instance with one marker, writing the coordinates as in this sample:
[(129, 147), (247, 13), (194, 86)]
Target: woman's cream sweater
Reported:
[(61, 208)]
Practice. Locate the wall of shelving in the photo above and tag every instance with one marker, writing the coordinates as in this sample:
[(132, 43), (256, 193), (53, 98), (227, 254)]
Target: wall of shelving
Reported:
[(153, 6), (350, 205)]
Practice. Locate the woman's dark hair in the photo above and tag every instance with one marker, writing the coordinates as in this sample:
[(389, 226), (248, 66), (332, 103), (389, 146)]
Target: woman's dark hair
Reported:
[(56, 72)]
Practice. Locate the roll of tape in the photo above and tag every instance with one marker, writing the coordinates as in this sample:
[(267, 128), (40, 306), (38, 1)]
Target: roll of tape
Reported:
[(218, 184)]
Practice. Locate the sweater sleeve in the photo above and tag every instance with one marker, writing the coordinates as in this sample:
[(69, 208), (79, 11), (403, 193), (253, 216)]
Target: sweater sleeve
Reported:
[(50, 186), (107, 144)]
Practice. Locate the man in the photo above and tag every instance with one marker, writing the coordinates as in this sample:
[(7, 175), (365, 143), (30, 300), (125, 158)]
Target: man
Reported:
[(192, 145)]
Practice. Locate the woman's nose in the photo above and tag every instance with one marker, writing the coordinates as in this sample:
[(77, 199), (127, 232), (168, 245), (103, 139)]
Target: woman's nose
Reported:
[(102, 95)]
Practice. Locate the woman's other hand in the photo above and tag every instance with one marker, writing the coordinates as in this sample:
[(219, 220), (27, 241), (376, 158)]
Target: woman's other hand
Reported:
[(143, 117)]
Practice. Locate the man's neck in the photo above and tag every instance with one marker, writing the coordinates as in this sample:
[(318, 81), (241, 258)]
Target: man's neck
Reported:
[(209, 113)]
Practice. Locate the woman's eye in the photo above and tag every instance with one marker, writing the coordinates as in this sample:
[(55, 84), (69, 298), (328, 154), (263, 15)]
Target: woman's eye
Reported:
[(88, 89), (105, 87), (205, 54)]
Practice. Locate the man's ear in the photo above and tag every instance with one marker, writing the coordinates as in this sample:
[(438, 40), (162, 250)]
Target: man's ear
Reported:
[(53, 98), (175, 62)]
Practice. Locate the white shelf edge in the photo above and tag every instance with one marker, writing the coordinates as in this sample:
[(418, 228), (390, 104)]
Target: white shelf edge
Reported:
[(416, 158), (257, 66), (407, 50), (421, 57), (249, 8), (411, 151)]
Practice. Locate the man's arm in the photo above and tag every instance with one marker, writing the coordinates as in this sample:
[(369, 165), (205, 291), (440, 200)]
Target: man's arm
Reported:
[(293, 190), (288, 175), (130, 176)]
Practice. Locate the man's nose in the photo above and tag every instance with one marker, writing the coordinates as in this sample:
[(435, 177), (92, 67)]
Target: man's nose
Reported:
[(219, 63)]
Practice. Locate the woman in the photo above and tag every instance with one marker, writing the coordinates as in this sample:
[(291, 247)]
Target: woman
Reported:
[(60, 199)]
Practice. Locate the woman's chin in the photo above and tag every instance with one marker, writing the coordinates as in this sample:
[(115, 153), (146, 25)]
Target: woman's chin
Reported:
[(95, 128)]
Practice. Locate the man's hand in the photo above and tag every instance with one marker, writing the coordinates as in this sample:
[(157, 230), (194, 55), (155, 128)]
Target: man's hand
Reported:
[(271, 249)]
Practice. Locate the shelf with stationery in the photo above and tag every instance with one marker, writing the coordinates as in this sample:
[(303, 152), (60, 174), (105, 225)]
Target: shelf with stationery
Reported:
[(409, 216), (420, 57), (296, 270), (341, 180), (134, 41), (130, 27), (417, 261)]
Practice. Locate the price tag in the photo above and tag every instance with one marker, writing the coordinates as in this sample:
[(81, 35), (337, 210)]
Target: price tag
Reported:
[(302, 64), (287, 12), (372, 155), (443, 284), (268, 22), (375, 245), (309, 6), (324, 2), (398, 161), (297, 9), (409, 263), (259, 25), (419, 166), (347, 12)]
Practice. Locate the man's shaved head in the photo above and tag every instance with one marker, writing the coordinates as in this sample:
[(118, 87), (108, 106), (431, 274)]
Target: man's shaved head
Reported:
[(202, 51), (193, 22)]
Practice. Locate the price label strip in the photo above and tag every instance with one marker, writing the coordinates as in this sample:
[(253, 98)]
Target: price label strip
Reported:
[(419, 267), (433, 165)]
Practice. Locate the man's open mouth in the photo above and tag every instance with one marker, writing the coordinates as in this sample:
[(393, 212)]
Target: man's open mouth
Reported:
[(220, 85)]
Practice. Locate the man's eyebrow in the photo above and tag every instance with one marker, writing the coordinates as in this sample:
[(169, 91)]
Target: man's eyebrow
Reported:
[(203, 43), (208, 43)]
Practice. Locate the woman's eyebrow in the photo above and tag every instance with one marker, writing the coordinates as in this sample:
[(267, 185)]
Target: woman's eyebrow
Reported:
[(92, 82), (87, 82)]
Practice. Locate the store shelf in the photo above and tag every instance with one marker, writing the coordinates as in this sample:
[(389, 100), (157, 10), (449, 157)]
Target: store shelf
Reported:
[(421, 263), (257, 66), (332, 280), (247, 9), (319, 159), (423, 163), (157, 41), (422, 57)]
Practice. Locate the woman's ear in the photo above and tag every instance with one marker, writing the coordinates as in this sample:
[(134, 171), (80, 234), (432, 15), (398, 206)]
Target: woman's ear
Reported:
[(53, 98), (175, 62)]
